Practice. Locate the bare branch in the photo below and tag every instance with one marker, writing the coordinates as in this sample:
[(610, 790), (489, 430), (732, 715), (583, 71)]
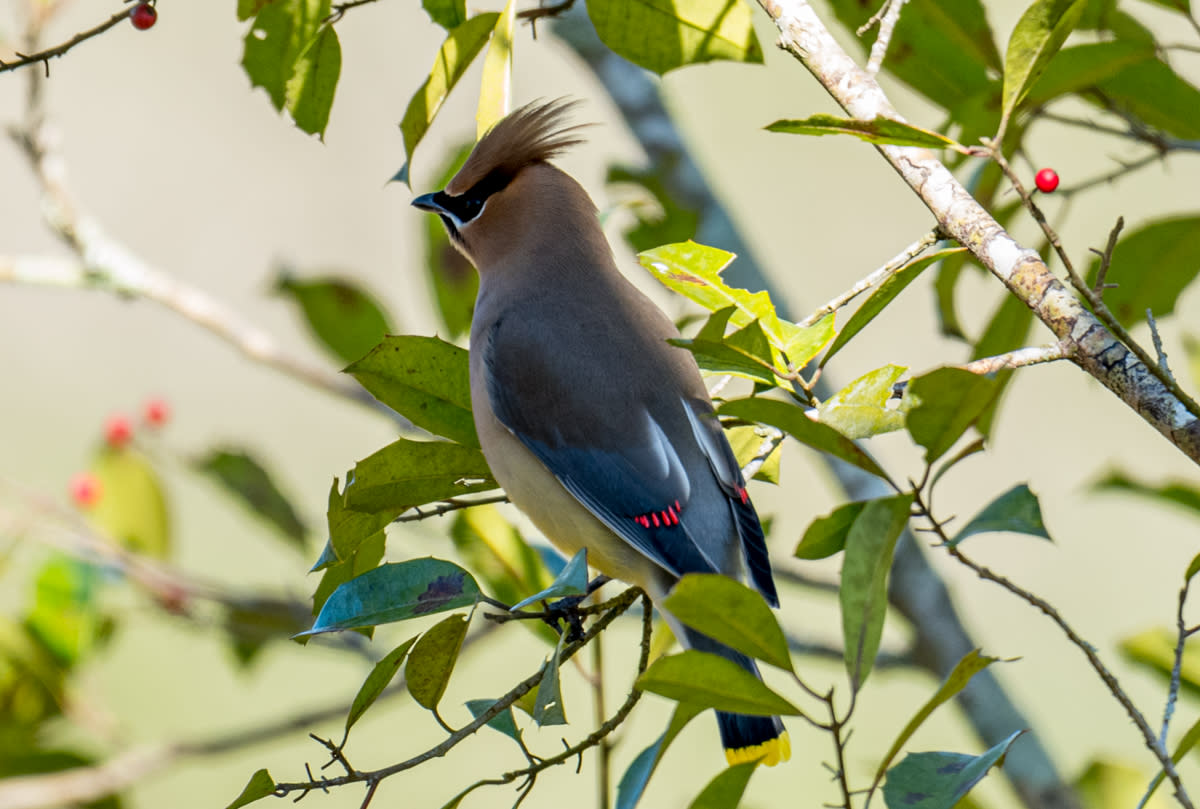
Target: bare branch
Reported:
[(887, 25), (43, 57), (1019, 358)]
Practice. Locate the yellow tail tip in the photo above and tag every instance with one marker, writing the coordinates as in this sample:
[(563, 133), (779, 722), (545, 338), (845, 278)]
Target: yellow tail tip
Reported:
[(770, 752)]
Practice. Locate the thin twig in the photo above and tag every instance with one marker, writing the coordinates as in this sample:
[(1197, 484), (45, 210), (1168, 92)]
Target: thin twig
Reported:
[(878, 276), (449, 505), (44, 56), (1109, 679), (1020, 358), (887, 25), (1158, 344)]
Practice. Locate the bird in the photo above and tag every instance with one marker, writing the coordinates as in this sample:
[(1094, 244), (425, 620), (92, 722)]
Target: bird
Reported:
[(597, 428)]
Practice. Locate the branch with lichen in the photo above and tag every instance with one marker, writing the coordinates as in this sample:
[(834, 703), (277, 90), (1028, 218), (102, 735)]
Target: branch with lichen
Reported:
[(1093, 347)]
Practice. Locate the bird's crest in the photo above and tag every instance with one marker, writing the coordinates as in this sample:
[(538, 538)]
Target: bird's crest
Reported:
[(531, 134)]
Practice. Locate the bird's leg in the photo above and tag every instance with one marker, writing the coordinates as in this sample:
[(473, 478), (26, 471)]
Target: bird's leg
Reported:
[(567, 610)]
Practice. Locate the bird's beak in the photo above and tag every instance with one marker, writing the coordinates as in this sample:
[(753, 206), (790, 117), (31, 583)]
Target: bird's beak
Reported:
[(428, 202)]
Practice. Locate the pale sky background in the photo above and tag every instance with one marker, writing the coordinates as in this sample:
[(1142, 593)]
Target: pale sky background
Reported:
[(175, 156)]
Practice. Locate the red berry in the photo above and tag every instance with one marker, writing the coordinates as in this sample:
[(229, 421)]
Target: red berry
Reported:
[(85, 489), (156, 412), (143, 16), (1046, 180), (117, 431)]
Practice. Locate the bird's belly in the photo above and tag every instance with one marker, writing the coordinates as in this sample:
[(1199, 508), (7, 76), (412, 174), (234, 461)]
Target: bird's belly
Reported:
[(557, 514)]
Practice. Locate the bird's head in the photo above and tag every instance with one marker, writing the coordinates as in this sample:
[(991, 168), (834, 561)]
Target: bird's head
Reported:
[(507, 197)]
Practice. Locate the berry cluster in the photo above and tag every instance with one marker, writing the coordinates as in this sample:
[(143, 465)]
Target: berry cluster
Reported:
[(85, 488)]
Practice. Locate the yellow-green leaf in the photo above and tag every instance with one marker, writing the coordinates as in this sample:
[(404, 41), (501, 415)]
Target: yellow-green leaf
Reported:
[(661, 35), (495, 91), (861, 410), (1039, 34), (876, 130)]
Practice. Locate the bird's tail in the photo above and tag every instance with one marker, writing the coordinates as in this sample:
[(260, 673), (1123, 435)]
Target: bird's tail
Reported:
[(744, 736)]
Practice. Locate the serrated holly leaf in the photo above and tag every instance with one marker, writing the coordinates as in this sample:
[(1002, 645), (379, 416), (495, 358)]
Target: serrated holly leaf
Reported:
[(408, 473), (1017, 510), (365, 557), (432, 659), (876, 130), (348, 529), (713, 682), (503, 722), (282, 30), (726, 788), (548, 708), (396, 592), (870, 544), (572, 581), (731, 613), (660, 35), (344, 317), (746, 352), (248, 481), (861, 409), (424, 379)]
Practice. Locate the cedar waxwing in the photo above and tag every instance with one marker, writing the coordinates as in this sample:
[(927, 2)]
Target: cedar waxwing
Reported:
[(597, 428)]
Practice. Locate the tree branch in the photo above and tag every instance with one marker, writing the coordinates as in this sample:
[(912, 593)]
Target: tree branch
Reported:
[(1020, 269)]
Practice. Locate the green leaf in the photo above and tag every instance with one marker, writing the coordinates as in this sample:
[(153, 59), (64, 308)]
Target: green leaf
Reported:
[(694, 271), (1155, 649), (572, 581), (713, 682), (660, 35), (349, 529), (65, 616), (248, 8), (314, 80), (943, 49), (943, 404), (1154, 94), (883, 295), (453, 279), (1179, 493), (939, 780), (637, 776), (725, 790), (548, 708), (1152, 266), (261, 785), (396, 592), (495, 91), (747, 442), (964, 670), (280, 33), (132, 509), (731, 613), (345, 318), (424, 379), (1192, 569), (1039, 34), (1016, 510), (408, 473), (860, 410), (870, 544), (365, 557), (432, 660), (503, 722), (252, 623), (795, 422), (745, 353), (827, 535), (379, 678), (246, 479), (1105, 784), (461, 47), (447, 13), (1079, 68), (876, 130)]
